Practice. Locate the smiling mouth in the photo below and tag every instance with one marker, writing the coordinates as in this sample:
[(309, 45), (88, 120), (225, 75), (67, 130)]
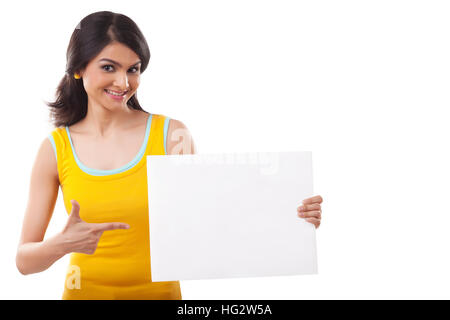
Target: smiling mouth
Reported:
[(115, 93)]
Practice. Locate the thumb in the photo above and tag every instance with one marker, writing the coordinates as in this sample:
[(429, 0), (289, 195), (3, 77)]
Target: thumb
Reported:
[(75, 212)]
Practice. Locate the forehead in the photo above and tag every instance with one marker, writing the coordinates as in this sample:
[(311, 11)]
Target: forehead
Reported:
[(118, 52)]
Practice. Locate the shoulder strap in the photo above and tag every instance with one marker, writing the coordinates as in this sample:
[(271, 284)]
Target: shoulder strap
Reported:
[(50, 137), (58, 142), (166, 128), (158, 134)]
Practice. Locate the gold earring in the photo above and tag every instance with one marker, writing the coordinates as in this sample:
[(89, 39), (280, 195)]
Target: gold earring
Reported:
[(76, 76)]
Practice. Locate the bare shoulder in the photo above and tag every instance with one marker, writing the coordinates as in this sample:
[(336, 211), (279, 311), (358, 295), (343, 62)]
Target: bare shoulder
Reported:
[(179, 138), (176, 124), (46, 160)]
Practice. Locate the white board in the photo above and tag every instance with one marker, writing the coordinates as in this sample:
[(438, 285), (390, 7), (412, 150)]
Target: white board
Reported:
[(229, 215)]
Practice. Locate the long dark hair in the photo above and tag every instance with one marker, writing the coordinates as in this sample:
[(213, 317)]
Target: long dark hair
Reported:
[(90, 36)]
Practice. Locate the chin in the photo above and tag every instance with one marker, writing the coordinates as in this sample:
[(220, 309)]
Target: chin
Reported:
[(114, 106)]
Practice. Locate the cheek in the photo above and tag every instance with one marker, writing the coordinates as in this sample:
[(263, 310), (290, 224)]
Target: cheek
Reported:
[(94, 82), (134, 82)]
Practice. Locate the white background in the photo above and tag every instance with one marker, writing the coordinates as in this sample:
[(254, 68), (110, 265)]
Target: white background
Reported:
[(364, 85)]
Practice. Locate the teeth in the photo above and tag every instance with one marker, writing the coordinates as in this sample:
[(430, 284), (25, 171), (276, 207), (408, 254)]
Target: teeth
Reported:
[(114, 93)]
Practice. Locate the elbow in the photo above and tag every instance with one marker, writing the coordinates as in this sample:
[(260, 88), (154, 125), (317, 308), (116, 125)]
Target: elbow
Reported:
[(22, 271), (20, 268), (20, 265)]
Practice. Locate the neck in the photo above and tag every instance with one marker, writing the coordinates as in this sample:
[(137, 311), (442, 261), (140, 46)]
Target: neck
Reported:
[(103, 122)]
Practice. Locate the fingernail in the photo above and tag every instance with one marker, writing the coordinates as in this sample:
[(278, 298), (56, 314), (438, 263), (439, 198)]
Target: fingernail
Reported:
[(301, 214), (301, 208)]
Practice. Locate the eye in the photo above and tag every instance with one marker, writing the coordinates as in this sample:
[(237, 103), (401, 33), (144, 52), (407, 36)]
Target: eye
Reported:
[(134, 69), (108, 68)]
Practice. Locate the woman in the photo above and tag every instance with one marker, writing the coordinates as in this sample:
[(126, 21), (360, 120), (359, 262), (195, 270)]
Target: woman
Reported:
[(97, 154)]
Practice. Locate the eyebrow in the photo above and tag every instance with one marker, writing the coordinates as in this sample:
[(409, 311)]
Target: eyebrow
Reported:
[(116, 63)]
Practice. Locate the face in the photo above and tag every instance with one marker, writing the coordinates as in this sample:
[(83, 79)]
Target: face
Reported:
[(112, 77)]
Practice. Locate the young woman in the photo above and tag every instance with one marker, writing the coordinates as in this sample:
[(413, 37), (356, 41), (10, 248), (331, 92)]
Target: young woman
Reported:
[(97, 154)]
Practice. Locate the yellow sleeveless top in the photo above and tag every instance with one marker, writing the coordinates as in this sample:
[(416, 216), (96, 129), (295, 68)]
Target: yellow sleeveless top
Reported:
[(120, 267)]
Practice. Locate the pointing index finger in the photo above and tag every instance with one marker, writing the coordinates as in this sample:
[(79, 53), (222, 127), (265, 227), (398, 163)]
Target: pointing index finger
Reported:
[(111, 226)]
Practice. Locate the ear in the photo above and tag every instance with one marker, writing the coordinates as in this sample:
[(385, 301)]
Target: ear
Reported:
[(81, 72)]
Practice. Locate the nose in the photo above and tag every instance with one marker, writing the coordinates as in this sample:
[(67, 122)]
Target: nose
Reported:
[(121, 81)]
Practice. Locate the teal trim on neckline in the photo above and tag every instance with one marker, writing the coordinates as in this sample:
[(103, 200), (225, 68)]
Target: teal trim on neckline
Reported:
[(129, 165), (166, 127)]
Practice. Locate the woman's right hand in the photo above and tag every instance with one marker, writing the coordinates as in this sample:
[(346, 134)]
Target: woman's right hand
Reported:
[(80, 236)]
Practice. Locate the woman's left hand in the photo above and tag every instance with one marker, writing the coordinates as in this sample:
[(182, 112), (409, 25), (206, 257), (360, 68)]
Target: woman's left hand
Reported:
[(311, 210)]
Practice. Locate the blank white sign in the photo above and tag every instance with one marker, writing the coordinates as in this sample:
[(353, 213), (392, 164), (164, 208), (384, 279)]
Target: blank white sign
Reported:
[(229, 215)]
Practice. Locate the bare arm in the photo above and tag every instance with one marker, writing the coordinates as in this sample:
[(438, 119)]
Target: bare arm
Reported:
[(34, 254)]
